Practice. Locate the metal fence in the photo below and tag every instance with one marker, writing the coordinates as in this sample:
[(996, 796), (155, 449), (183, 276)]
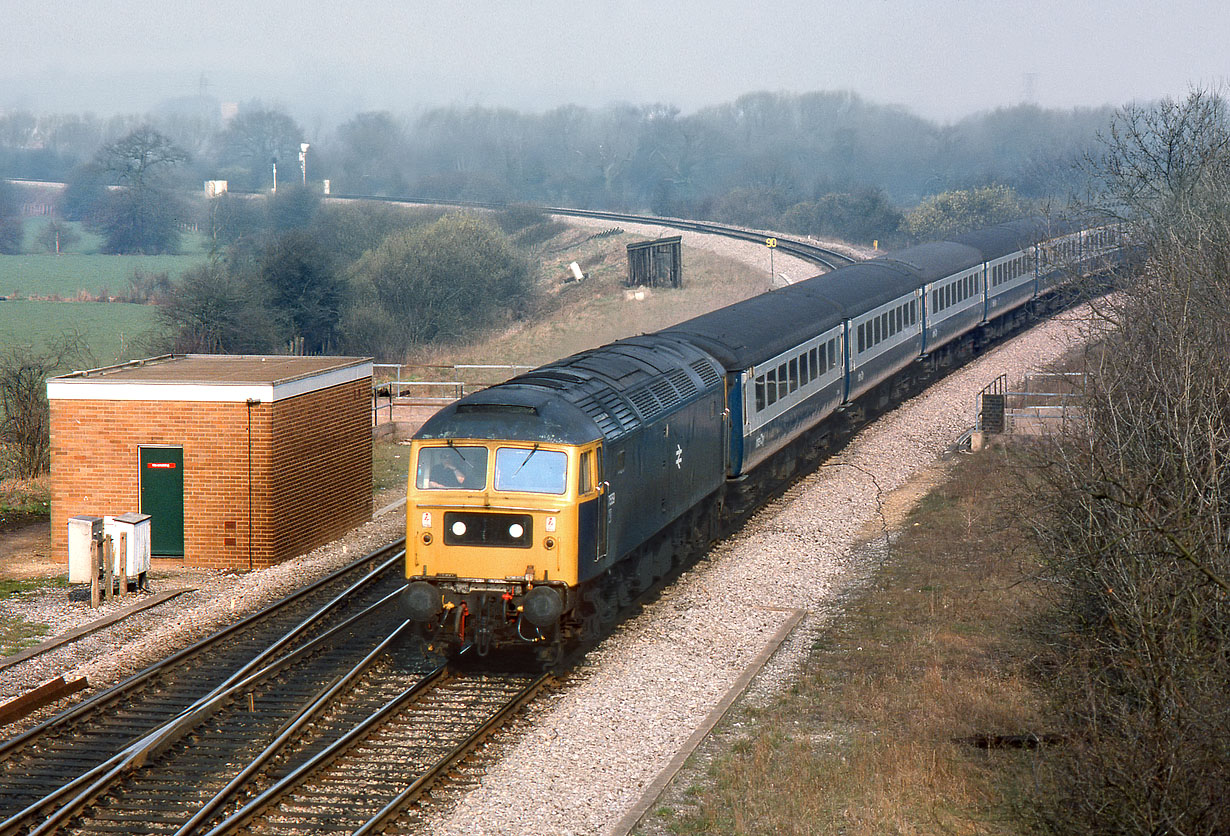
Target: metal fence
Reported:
[(428, 385), (1034, 408)]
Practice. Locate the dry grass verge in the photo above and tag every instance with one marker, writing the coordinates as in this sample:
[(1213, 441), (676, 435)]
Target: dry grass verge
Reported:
[(575, 316), (928, 652)]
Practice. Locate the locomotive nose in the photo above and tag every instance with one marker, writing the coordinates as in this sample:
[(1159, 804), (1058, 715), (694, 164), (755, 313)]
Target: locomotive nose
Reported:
[(421, 601)]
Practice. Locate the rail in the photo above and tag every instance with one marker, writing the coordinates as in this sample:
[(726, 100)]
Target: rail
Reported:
[(50, 756)]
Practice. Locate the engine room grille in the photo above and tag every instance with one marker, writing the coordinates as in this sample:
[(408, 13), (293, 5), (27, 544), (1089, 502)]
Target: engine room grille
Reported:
[(707, 375), (663, 394), (609, 412)]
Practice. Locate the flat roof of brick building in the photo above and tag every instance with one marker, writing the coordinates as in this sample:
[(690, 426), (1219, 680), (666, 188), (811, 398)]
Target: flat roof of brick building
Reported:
[(210, 377)]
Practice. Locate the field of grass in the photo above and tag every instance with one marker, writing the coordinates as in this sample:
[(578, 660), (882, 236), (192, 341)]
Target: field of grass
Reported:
[(110, 330), (925, 658), (83, 271)]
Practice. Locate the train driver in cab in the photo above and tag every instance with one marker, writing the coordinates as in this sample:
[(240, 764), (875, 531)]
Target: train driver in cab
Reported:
[(452, 468)]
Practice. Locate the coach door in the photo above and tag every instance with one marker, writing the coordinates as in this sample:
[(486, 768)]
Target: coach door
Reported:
[(162, 497)]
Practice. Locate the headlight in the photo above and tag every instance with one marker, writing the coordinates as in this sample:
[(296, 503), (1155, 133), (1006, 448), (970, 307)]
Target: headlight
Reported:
[(515, 531), (459, 529)]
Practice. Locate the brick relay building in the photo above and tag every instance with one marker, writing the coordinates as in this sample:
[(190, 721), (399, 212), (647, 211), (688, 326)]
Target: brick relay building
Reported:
[(242, 461)]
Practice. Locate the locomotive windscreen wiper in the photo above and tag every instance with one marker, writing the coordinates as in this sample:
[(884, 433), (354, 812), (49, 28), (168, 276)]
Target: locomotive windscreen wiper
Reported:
[(460, 455), (533, 450)]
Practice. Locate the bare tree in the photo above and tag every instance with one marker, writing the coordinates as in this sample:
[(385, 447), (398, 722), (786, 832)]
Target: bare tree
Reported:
[(25, 417), (142, 216), (1136, 521)]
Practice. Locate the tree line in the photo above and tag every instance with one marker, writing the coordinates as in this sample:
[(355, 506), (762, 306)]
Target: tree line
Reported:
[(825, 163), (290, 274)]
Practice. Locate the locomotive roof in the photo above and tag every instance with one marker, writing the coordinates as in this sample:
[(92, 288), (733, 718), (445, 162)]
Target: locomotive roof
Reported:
[(605, 392), (512, 412)]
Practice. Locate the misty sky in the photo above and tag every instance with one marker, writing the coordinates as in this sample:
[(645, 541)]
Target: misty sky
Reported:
[(325, 60)]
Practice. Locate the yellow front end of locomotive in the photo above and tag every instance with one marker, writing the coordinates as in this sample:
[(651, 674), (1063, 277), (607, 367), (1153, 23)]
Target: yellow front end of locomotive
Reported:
[(495, 511)]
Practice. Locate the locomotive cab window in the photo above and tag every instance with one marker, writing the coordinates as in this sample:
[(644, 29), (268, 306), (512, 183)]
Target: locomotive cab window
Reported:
[(452, 468), (532, 471)]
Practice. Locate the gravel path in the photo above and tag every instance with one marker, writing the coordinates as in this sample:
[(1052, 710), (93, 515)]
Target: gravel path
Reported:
[(638, 697)]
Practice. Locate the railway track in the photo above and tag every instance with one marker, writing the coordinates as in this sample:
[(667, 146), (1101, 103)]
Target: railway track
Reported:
[(802, 249), (37, 763), (805, 250), (374, 772), (340, 722)]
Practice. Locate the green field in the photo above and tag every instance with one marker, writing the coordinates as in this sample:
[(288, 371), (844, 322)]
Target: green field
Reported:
[(69, 275), (108, 329), (83, 270)]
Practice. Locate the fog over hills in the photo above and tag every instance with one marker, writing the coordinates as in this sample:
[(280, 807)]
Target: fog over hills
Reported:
[(942, 59)]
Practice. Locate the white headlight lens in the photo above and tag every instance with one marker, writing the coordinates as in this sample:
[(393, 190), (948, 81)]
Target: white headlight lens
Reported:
[(459, 528), (515, 531)]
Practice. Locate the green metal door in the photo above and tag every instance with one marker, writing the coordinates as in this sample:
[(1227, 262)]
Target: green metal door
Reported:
[(162, 497)]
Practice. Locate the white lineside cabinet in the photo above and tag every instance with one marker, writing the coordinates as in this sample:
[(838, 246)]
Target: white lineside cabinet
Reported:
[(136, 526), (83, 531)]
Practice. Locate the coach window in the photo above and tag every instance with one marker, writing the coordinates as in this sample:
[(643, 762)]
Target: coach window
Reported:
[(760, 394), (862, 343), (771, 387), (811, 359), (794, 373), (783, 382)]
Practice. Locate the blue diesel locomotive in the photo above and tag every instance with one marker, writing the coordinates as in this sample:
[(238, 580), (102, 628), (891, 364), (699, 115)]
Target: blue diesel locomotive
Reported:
[(537, 507)]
